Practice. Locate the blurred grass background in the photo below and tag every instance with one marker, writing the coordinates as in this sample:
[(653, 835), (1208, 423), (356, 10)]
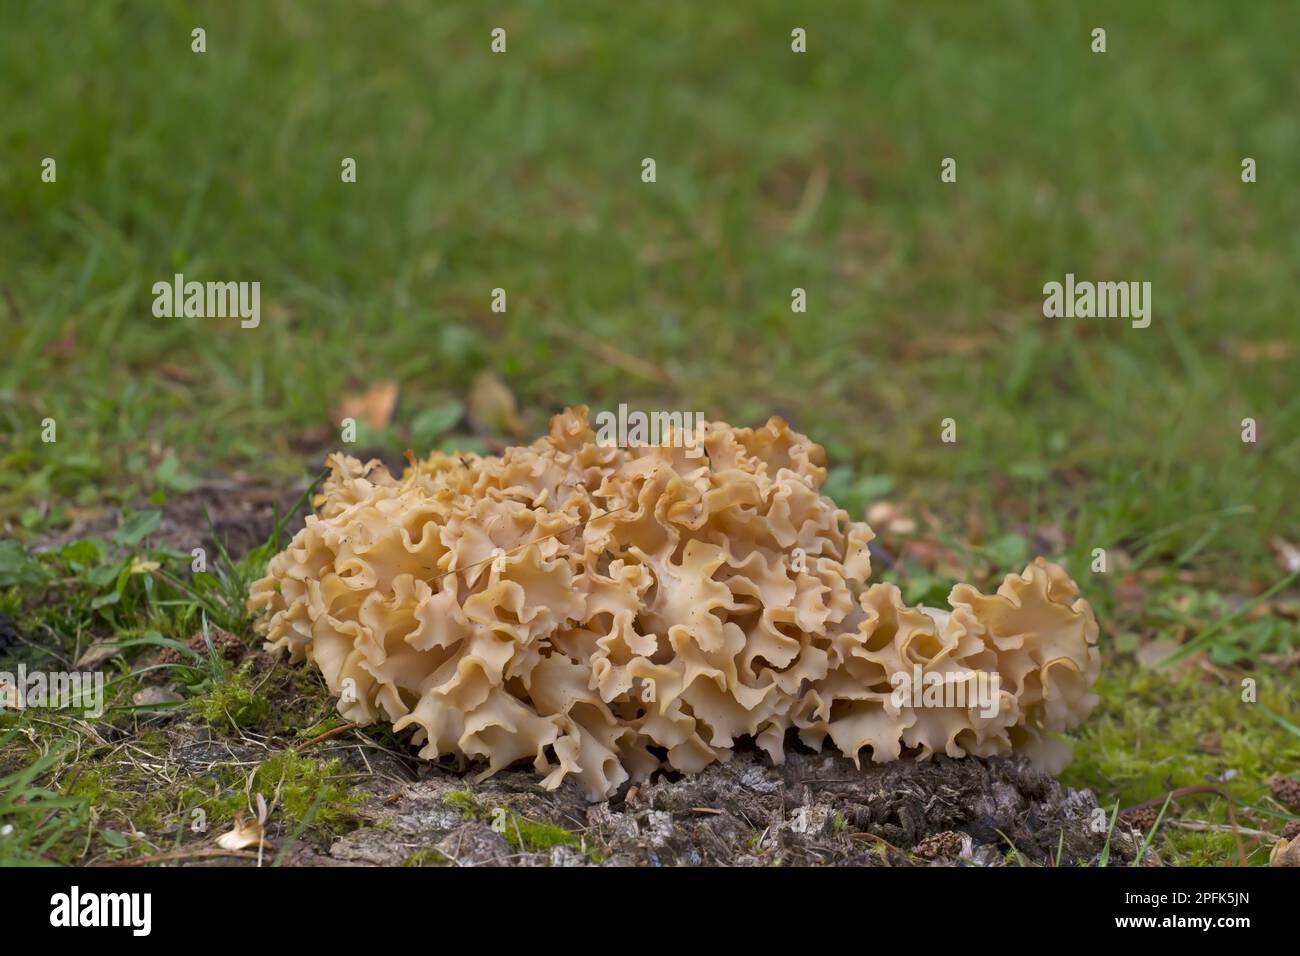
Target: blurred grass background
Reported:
[(775, 170)]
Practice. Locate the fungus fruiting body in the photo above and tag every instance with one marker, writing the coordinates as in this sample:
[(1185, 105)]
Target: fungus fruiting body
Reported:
[(604, 612)]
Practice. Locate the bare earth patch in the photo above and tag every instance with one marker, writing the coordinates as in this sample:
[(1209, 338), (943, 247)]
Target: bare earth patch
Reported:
[(242, 516), (814, 810)]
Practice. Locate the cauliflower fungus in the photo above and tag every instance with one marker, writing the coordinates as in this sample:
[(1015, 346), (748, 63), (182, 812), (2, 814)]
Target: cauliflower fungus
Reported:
[(605, 612)]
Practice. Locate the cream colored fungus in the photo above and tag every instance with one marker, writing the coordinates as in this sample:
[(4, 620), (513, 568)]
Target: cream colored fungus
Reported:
[(607, 611)]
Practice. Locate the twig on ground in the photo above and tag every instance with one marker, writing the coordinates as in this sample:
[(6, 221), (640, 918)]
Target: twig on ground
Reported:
[(1194, 789), (1205, 826), (610, 354), (333, 732), (878, 839), (176, 855)]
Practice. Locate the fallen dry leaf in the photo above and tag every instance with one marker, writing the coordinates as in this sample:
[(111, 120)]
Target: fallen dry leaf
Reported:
[(888, 518), (247, 832), (63, 346), (1053, 536), (1210, 743), (96, 654), (1274, 350), (155, 695), (1282, 662), (374, 406), (1288, 555), (1130, 592), (1223, 676), (177, 373), (932, 556), (1150, 654), (1260, 611), (1285, 853), (492, 406)]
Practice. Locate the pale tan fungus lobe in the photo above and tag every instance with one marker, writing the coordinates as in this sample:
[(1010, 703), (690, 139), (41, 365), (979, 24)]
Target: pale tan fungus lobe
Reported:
[(604, 612)]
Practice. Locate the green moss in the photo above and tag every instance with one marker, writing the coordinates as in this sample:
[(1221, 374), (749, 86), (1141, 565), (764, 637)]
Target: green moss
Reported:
[(144, 789), (302, 782), (232, 700), (426, 857), (127, 795), (1156, 731), (462, 800), (535, 836), (523, 835), (36, 824), (89, 785)]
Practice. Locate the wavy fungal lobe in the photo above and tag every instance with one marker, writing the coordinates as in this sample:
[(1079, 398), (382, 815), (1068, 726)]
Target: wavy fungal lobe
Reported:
[(604, 612)]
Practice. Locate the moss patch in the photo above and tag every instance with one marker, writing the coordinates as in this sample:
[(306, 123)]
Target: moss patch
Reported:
[(535, 836), (1157, 731)]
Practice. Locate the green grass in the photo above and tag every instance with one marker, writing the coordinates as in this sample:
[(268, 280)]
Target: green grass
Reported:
[(1155, 733), (127, 785), (775, 171)]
